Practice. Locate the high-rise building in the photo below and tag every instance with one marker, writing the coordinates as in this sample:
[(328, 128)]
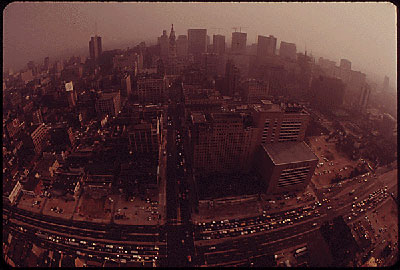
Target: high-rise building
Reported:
[(345, 64), (197, 42), (108, 104), (280, 123), (151, 88), (285, 167), (221, 142), (182, 46), (172, 43), (287, 50), (219, 44), (39, 136), (239, 43), (95, 48), (266, 46), (163, 42), (126, 85), (232, 77), (385, 87)]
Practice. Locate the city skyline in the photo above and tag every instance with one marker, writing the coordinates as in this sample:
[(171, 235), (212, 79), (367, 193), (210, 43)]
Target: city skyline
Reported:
[(73, 23)]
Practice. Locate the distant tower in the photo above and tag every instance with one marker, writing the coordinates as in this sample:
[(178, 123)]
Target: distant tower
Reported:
[(95, 48), (385, 87), (172, 42)]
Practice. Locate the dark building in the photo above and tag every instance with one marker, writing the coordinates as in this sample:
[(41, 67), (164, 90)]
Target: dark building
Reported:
[(327, 93), (266, 46), (286, 166), (197, 42), (345, 64), (287, 50), (232, 77), (95, 48), (219, 44), (239, 42)]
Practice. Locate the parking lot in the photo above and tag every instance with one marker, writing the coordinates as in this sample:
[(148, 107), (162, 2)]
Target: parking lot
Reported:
[(136, 212), (59, 207), (31, 203), (330, 161)]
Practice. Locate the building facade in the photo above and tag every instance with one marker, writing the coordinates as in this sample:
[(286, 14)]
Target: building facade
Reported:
[(287, 50), (197, 42), (151, 89), (95, 47), (266, 46), (280, 123), (219, 44), (238, 43), (285, 167)]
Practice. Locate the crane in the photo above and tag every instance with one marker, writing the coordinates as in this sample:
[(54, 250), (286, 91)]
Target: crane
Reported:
[(240, 28)]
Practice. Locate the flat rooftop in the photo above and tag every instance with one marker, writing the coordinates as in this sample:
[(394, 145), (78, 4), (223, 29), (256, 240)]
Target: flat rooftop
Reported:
[(289, 152)]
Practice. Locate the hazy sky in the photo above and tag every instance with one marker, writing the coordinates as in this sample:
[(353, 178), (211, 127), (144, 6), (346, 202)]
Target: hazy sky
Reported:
[(364, 33)]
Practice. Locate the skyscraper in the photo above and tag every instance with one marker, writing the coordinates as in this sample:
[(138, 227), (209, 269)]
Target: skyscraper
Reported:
[(95, 48), (197, 41), (266, 46), (163, 42), (182, 46), (239, 42), (287, 50), (172, 43), (219, 44)]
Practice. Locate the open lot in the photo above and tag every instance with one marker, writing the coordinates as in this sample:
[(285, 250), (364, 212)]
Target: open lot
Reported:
[(65, 209), (27, 203), (327, 171), (93, 209), (137, 212)]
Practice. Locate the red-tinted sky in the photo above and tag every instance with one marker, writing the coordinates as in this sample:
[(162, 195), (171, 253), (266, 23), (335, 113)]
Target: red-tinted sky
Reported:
[(364, 33)]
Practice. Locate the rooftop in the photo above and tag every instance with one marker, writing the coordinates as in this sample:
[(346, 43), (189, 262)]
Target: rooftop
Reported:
[(198, 118), (289, 152)]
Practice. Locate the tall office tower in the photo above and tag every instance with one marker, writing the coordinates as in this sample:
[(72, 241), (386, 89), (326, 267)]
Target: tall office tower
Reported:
[(208, 40), (172, 43), (95, 48), (108, 103), (164, 44), (280, 123), (221, 142), (151, 88), (182, 46), (287, 50), (266, 46), (364, 97), (232, 77), (345, 64), (219, 44), (239, 42), (197, 42), (285, 167), (385, 87)]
